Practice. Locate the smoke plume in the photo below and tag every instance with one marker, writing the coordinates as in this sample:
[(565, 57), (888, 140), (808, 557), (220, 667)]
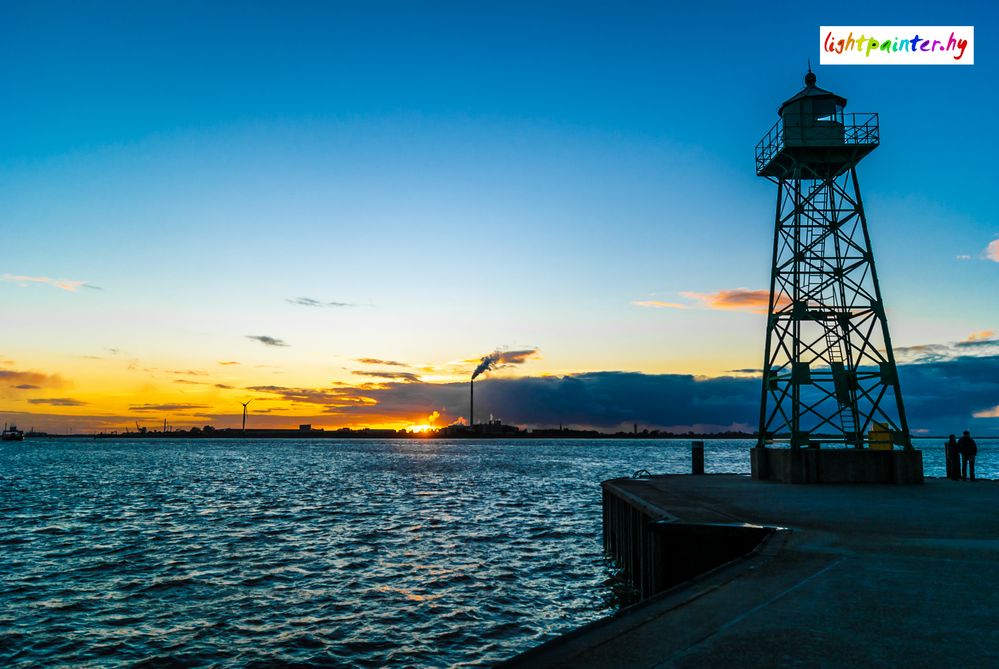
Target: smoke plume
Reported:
[(501, 359)]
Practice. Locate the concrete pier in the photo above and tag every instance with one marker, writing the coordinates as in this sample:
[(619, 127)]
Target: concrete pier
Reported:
[(845, 576)]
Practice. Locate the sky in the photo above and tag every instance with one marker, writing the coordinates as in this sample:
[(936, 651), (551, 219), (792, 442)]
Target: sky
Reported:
[(335, 209)]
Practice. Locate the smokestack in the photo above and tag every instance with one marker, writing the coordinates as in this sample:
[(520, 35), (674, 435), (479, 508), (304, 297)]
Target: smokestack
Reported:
[(471, 402)]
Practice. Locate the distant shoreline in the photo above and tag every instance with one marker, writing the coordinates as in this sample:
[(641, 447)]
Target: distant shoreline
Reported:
[(370, 433)]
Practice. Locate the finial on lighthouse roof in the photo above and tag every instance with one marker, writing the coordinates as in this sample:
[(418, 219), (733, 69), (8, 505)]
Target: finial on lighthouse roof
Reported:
[(810, 77)]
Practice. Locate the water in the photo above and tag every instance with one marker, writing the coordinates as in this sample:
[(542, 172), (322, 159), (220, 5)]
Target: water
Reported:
[(361, 553)]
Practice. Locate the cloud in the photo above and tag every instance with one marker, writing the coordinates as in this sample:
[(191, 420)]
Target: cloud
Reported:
[(941, 396), (981, 335), (963, 257), (27, 386), (186, 372), (598, 399), (69, 285), (327, 397), (923, 353), (946, 394), (309, 302), (15, 379), (228, 362), (408, 377), (57, 401), (658, 304), (975, 345), (223, 386), (267, 341), (992, 250), (379, 361), (734, 299), (143, 408), (742, 299)]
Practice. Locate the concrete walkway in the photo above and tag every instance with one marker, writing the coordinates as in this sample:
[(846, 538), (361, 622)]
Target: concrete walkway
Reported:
[(888, 576)]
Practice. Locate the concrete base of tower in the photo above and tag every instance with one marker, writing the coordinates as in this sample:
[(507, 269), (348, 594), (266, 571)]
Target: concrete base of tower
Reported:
[(836, 465)]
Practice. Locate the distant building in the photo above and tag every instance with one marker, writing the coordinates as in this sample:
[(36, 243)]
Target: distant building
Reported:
[(307, 427), (493, 428)]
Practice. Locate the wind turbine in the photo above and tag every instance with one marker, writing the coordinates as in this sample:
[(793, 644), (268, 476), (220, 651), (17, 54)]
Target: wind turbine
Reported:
[(244, 414)]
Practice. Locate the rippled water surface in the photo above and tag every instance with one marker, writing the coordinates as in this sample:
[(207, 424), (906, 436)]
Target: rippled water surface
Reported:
[(360, 553)]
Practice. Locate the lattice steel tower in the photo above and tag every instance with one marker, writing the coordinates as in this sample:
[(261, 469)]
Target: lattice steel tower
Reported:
[(829, 373)]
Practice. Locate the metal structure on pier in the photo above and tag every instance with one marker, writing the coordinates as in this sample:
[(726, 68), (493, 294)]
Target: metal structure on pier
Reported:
[(829, 373)]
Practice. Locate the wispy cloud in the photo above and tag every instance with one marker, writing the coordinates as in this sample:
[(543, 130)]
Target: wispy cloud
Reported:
[(268, 341), (17, 379), (145, 408), (963, 257), (228, 362), (395, 376), (734, 299), (57, 401), (69, 285), (309, 302), (327, 397), (742, 299), (978, 344), (379, 361), (981, 335), (923, 352), (659, 304)]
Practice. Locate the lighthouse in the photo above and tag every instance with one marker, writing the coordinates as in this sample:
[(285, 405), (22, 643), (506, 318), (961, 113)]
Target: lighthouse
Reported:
[(829, 373)]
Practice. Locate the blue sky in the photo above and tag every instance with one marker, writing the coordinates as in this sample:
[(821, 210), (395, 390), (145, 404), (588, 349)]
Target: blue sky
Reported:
[(466, 176)]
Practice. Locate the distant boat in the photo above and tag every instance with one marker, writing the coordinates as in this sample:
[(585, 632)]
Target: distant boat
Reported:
[(11, 433)]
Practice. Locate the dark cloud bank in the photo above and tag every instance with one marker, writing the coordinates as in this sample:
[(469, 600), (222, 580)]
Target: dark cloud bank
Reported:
[(940, 396)]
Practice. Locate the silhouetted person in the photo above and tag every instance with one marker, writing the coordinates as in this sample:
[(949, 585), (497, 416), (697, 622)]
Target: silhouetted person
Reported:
[(952, 454), (969, 449)]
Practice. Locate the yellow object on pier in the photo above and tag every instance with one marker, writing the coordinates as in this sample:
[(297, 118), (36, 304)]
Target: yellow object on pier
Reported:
[(879, 437)]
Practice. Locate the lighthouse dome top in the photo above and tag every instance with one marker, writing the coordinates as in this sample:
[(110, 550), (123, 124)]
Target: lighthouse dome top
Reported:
[(811, 92)]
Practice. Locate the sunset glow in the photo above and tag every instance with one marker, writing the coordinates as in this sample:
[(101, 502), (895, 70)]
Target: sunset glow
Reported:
[(345, 255)]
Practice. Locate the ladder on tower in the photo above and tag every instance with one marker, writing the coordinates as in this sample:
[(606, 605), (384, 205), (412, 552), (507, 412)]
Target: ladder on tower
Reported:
[(837, 360), (835, 338), (823, 300), (814, 241)]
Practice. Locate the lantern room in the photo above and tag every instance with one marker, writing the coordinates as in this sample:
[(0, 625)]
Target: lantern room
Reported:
[(814, 138)]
